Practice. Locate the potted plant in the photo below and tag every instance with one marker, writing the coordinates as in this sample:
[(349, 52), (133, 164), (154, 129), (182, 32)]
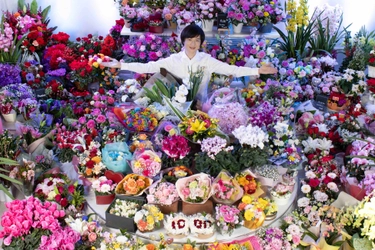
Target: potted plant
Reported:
[(104, 190)]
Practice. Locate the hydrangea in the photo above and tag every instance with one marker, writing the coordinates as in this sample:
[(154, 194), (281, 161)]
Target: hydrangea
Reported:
[(9, 74)]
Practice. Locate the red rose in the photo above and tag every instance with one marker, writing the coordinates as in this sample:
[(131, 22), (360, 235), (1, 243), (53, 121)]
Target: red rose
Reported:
[(58, 198), (101, 91), (327, 180), (314, 182), (64, 202), (90, 164), (71, 189)]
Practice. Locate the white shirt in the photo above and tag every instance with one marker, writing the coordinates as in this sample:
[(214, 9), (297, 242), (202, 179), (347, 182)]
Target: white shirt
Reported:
[(179, 65)]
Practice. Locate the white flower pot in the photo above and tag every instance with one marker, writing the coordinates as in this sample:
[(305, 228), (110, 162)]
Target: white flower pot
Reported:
[(11, 117), (207, 25), (371, 71), (237, 29)]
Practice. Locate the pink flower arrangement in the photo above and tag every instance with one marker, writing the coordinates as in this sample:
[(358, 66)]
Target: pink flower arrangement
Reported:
[(368, 183), (32, 223), (273, 238), (195, 188), (89, 230), (227, 218), (226, 189), (207, 10), (149, 47), (146, 162), (103, 186), (176, 146), (230, 115), (163, 193)]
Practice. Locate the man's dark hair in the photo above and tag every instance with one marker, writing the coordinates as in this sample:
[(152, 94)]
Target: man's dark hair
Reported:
[(191, 31)]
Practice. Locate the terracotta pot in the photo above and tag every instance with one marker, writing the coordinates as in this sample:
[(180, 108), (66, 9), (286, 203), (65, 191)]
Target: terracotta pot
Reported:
[(104, 199)]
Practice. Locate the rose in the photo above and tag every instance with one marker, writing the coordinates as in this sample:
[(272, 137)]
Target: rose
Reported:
[(92, 237), (314, 182)]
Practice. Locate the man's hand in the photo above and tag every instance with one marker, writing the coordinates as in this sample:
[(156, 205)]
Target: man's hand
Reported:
[(112, 64), (267, 69)]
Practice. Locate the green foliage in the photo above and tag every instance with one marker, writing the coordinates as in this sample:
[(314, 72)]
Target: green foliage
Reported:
[(251, 157), (14, 53), (28, 242), (323, 41), (223, 160), (159, 90), (294, 44), (5, 161)]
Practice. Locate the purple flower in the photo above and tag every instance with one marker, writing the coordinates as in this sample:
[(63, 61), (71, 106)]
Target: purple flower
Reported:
[(9, 74)]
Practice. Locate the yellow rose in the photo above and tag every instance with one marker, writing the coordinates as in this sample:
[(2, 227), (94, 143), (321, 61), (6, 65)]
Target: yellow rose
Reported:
[(150, 220)]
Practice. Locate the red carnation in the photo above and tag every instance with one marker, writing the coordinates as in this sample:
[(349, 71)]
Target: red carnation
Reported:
[(58, 198)]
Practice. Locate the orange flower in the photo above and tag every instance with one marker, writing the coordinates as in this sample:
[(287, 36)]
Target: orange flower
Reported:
[(96, 159), (187, 247), (141, 183), (150, 247), (242, 206), (88, 171), (130, 186), (142, 225)]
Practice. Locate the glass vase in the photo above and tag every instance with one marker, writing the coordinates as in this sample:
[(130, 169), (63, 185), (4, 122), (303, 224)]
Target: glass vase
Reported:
[(28, 187)]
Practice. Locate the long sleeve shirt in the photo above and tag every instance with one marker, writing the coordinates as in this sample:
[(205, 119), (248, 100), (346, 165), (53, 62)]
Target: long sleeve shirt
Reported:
[(179, 65)]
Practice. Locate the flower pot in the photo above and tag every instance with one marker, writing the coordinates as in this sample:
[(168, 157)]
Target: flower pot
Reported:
[(266, 28), (11, 117), (156, 29), (168, 209), (237, 29), (104, 199), (207, 25), (127, 23), (371, 71)]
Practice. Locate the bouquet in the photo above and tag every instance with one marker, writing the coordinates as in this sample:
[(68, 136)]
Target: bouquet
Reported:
[(133, 184), (197, 125), (32, 73), (146, 162), (89, 230), (59, 188), (103, 186), (148, 218), (207, 10), (24, 172), (247, 181), (137, 119), (175, 146), (163, 193), (195, 188), (225, 189), (8, 102), (227, 218), (21, 230)]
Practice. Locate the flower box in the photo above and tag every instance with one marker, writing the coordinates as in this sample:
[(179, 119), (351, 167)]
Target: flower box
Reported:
[(156, 29), (190, 208), (168, 209), (120, 222), (371, 71)]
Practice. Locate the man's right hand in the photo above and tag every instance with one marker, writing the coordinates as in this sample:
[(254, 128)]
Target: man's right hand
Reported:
[(112, 64)]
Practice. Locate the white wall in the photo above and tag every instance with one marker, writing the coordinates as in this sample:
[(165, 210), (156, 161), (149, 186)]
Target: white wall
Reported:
[(81, 17), (76, 17)]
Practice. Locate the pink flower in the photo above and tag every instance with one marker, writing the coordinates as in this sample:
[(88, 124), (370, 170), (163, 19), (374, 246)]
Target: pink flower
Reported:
[(91, 124)]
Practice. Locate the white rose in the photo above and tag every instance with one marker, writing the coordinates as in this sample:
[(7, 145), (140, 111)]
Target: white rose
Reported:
[(306, 189)]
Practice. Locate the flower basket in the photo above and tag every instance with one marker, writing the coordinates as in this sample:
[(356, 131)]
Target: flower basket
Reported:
[(255, 223), (156, 29), (105, 199), (371, 71)]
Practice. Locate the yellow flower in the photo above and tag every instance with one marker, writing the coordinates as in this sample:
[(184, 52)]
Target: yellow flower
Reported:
[(150, 220), (160, 216), (247, 199), (137, 164), (249, 215), (262, 203), (96, 159), (266, 14), (154, 210), (197, 126), (96, 64)]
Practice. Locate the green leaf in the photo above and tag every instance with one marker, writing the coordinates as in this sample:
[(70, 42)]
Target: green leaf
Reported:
[(34, 7), (21, 4), (162, 88), (45, 12)]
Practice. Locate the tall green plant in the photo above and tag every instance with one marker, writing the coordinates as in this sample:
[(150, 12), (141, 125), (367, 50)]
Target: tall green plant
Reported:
[(293, 43), (5, 161), (323, 41)]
